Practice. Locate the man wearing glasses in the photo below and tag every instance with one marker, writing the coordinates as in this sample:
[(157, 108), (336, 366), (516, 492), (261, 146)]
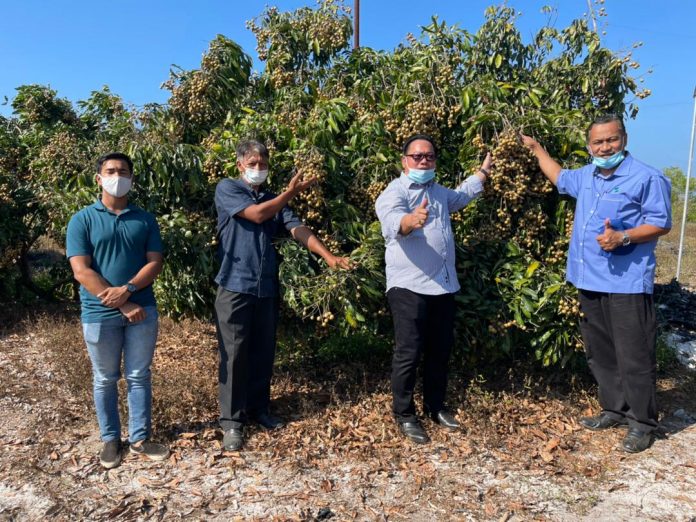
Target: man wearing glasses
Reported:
[(623, 206), (422, 280)]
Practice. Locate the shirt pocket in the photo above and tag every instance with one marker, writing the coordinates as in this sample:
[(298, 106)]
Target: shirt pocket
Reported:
[(609, 208)]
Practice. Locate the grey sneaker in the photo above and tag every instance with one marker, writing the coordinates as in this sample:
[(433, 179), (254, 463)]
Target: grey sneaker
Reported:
[(110, 455), (151, 450)]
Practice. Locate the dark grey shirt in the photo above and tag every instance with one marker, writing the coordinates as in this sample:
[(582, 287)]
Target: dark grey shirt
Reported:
[(248, 259)]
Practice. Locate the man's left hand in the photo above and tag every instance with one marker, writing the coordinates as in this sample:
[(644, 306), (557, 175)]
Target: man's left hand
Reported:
[(114, 296), (339, 262), (610, 239)]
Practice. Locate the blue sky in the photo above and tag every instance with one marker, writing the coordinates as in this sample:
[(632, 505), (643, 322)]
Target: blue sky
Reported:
[(78, 46)]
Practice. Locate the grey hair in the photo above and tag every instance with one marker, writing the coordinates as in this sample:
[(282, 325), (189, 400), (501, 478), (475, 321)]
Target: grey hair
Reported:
[(246, 147), (606, 118)]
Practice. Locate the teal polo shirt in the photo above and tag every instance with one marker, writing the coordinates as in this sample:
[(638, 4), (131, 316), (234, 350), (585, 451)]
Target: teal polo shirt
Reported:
[(117, 244)]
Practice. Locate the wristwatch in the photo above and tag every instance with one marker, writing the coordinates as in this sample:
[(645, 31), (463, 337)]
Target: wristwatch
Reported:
[(131, 288), (625, 241)]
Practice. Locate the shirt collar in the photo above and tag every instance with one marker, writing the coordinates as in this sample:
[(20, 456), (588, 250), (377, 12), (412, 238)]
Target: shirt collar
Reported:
[(99, 205), (262, 190), (624, 168)]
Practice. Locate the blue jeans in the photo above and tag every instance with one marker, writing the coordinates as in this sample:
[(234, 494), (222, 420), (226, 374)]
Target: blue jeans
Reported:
[(107, 342)]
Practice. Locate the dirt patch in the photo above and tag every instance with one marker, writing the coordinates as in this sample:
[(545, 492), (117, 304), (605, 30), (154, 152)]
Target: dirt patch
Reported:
[(521, 455)]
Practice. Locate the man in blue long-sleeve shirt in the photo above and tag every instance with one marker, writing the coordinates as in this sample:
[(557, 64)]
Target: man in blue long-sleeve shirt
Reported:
[(414, 212)]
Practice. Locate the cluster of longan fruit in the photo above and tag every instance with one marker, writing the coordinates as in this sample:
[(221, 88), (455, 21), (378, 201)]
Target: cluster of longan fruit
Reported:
[(514, 188), (569, 308), (213, 166), (189, 98), (557, 252), (420, 118), (309, 204)]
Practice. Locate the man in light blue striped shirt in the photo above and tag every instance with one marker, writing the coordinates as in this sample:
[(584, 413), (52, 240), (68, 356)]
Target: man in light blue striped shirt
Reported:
[(414, 212)]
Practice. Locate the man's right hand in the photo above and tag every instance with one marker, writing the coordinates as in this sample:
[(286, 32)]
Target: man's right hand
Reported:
[(549, 166), (297, 184), (529, 142), (133, 312), (415, 219)]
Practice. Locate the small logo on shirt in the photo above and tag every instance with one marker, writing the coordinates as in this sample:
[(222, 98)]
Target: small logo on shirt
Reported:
[(616, 190)]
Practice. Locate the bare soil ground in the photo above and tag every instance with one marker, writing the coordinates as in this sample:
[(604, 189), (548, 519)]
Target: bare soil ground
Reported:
[(520, 456)]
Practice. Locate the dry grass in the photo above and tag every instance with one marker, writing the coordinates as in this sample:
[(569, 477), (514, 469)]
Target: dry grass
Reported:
[(520, 451), (667, 251)]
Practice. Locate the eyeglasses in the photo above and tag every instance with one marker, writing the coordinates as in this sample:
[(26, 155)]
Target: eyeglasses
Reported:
[(430, 156)]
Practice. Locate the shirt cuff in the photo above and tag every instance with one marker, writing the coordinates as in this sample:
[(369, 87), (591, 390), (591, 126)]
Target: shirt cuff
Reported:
[(473, 183), (560, 181), (392, 229)]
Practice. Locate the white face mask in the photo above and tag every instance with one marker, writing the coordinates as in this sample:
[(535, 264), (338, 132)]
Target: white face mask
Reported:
[(116, 186), (255, 177)]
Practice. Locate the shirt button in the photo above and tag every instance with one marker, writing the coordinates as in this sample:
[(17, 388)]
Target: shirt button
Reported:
[(591, 211)]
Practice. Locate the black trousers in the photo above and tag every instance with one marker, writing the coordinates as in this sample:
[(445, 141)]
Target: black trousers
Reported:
[(620, 331), (423, 325), (246, 330)]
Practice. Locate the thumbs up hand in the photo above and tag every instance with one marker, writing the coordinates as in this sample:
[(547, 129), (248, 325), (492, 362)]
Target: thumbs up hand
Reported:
[(610, 239), (420, 215)]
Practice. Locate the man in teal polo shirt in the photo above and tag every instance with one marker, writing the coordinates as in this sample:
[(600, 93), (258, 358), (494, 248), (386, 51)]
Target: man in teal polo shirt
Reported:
[(623, 206), (115, 252)]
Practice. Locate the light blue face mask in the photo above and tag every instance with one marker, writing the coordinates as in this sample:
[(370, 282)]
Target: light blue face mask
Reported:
[(610, 162), (421, 176)]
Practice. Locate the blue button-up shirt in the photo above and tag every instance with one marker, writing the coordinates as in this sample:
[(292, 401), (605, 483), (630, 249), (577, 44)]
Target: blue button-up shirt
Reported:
[(633, 195), (422, 261), (118, 245), (247, 256)]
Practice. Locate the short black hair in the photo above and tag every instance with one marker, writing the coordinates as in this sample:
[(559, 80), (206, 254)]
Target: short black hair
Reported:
[(245, 147), (419, 137), (114, 156), (606, 118)]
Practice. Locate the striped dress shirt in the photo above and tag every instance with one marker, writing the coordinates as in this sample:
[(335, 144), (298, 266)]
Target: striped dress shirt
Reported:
[(424, 260)]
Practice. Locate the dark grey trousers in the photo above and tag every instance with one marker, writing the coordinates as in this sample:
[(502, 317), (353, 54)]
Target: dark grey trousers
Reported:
[(246, 330), (620, 331), (423, 327)]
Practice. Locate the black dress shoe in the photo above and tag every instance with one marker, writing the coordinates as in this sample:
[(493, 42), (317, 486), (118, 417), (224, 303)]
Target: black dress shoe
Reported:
[(268, 421), (601, 422), (637, 440), (233, 439), (414, 431), (445, 419)]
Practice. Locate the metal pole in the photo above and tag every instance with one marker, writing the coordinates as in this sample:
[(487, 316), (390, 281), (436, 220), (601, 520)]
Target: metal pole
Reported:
[(356, 24), (686, 191)]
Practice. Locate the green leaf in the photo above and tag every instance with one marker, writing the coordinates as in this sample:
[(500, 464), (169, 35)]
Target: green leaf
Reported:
[(533, 266)]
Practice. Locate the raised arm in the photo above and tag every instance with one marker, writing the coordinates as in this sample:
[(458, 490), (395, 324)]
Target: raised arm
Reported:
[(261, 212), (547, 164)]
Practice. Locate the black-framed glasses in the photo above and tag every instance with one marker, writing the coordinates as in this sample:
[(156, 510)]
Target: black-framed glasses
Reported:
[(417, 157)]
